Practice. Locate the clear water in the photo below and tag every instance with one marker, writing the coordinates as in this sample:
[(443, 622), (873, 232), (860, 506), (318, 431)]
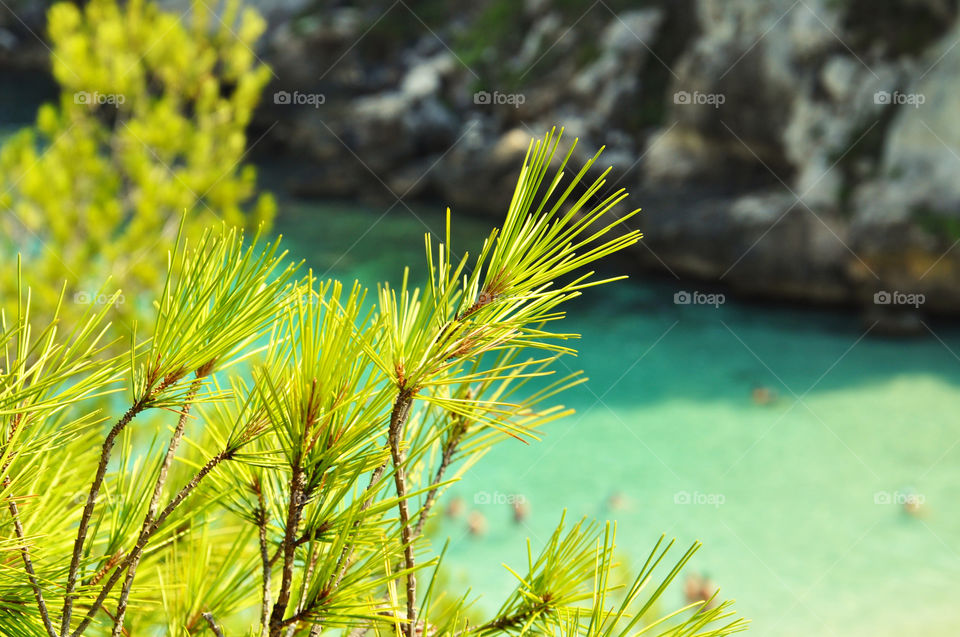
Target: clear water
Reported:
[(791, 494)]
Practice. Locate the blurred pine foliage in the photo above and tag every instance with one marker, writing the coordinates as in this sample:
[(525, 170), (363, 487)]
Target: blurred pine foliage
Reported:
[(150, 123)]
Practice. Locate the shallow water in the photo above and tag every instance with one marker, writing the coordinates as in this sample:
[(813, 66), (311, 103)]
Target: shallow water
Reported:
[(794, 501)]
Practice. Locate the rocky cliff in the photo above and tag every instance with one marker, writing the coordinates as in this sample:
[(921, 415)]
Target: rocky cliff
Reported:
[(798, 149)]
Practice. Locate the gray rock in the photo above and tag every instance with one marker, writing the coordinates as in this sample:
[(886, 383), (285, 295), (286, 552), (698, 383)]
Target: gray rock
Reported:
[(922, 152), (425, 78), (632, 33), (795, 98), (8, 40)]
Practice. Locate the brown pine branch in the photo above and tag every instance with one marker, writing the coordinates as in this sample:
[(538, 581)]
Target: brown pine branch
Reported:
[(145, 536), (294, 510), (457, 432), (401, 411), (520, 618), (213, 624), (112, 561), (155, 500), (87, 514), (346, 554), (343, 561), (307, 536), (28, 563), (398, 419), (311, 566), (262, 520)]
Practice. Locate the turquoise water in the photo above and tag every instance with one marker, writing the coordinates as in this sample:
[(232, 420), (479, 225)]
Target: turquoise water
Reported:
[(788, 498)]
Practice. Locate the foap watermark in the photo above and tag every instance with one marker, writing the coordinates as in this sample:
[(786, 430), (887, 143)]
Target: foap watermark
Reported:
[(498, 98), (915, 100), (485, 497), (98, 98), (486, 298), (884, 297), (297, 98), (87, 298), (684, 297), (715, 100), (702, 499), (900, 498)]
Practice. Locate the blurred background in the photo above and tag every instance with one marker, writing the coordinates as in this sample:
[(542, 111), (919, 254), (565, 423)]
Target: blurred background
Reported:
[(779, 376)]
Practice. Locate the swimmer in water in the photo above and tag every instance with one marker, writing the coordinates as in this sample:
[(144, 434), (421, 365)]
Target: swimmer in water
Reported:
[(913, 503), (763, 395), (699, 588), (692, 587), (455, 508), (520, 510), (617, 501), (708, 589), (476, 524)]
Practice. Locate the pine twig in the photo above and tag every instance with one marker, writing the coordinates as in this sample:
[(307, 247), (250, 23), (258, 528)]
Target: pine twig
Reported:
[(145, 536), (87, 514), (297, 484), (311, 566), (262, 519), (520, 618), (213, 624), (28, 563), (401, 411), (346, 554), (343, 561), (450, 448), (155, 500)]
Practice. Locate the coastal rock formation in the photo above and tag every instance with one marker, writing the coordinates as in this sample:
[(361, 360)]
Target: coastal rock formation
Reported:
[(804, 151)]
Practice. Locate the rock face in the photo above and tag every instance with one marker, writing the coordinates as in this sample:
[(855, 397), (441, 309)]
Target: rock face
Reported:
[(858, 149), (422, 122), (21, 22), (800, 150)]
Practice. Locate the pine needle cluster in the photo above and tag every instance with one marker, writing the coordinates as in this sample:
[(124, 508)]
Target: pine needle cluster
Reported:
[(312, 428)]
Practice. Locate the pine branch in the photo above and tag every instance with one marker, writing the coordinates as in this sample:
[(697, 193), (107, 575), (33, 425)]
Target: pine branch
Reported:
[(517, 620), (294, 510), (87, 514), (308, 535), (450, 448), (453, 440), (262, 519), (347, 553), (343, 561), (311, 566), (401, 411), (28, 563), (145, 536), (213, 624), (155, 500)]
